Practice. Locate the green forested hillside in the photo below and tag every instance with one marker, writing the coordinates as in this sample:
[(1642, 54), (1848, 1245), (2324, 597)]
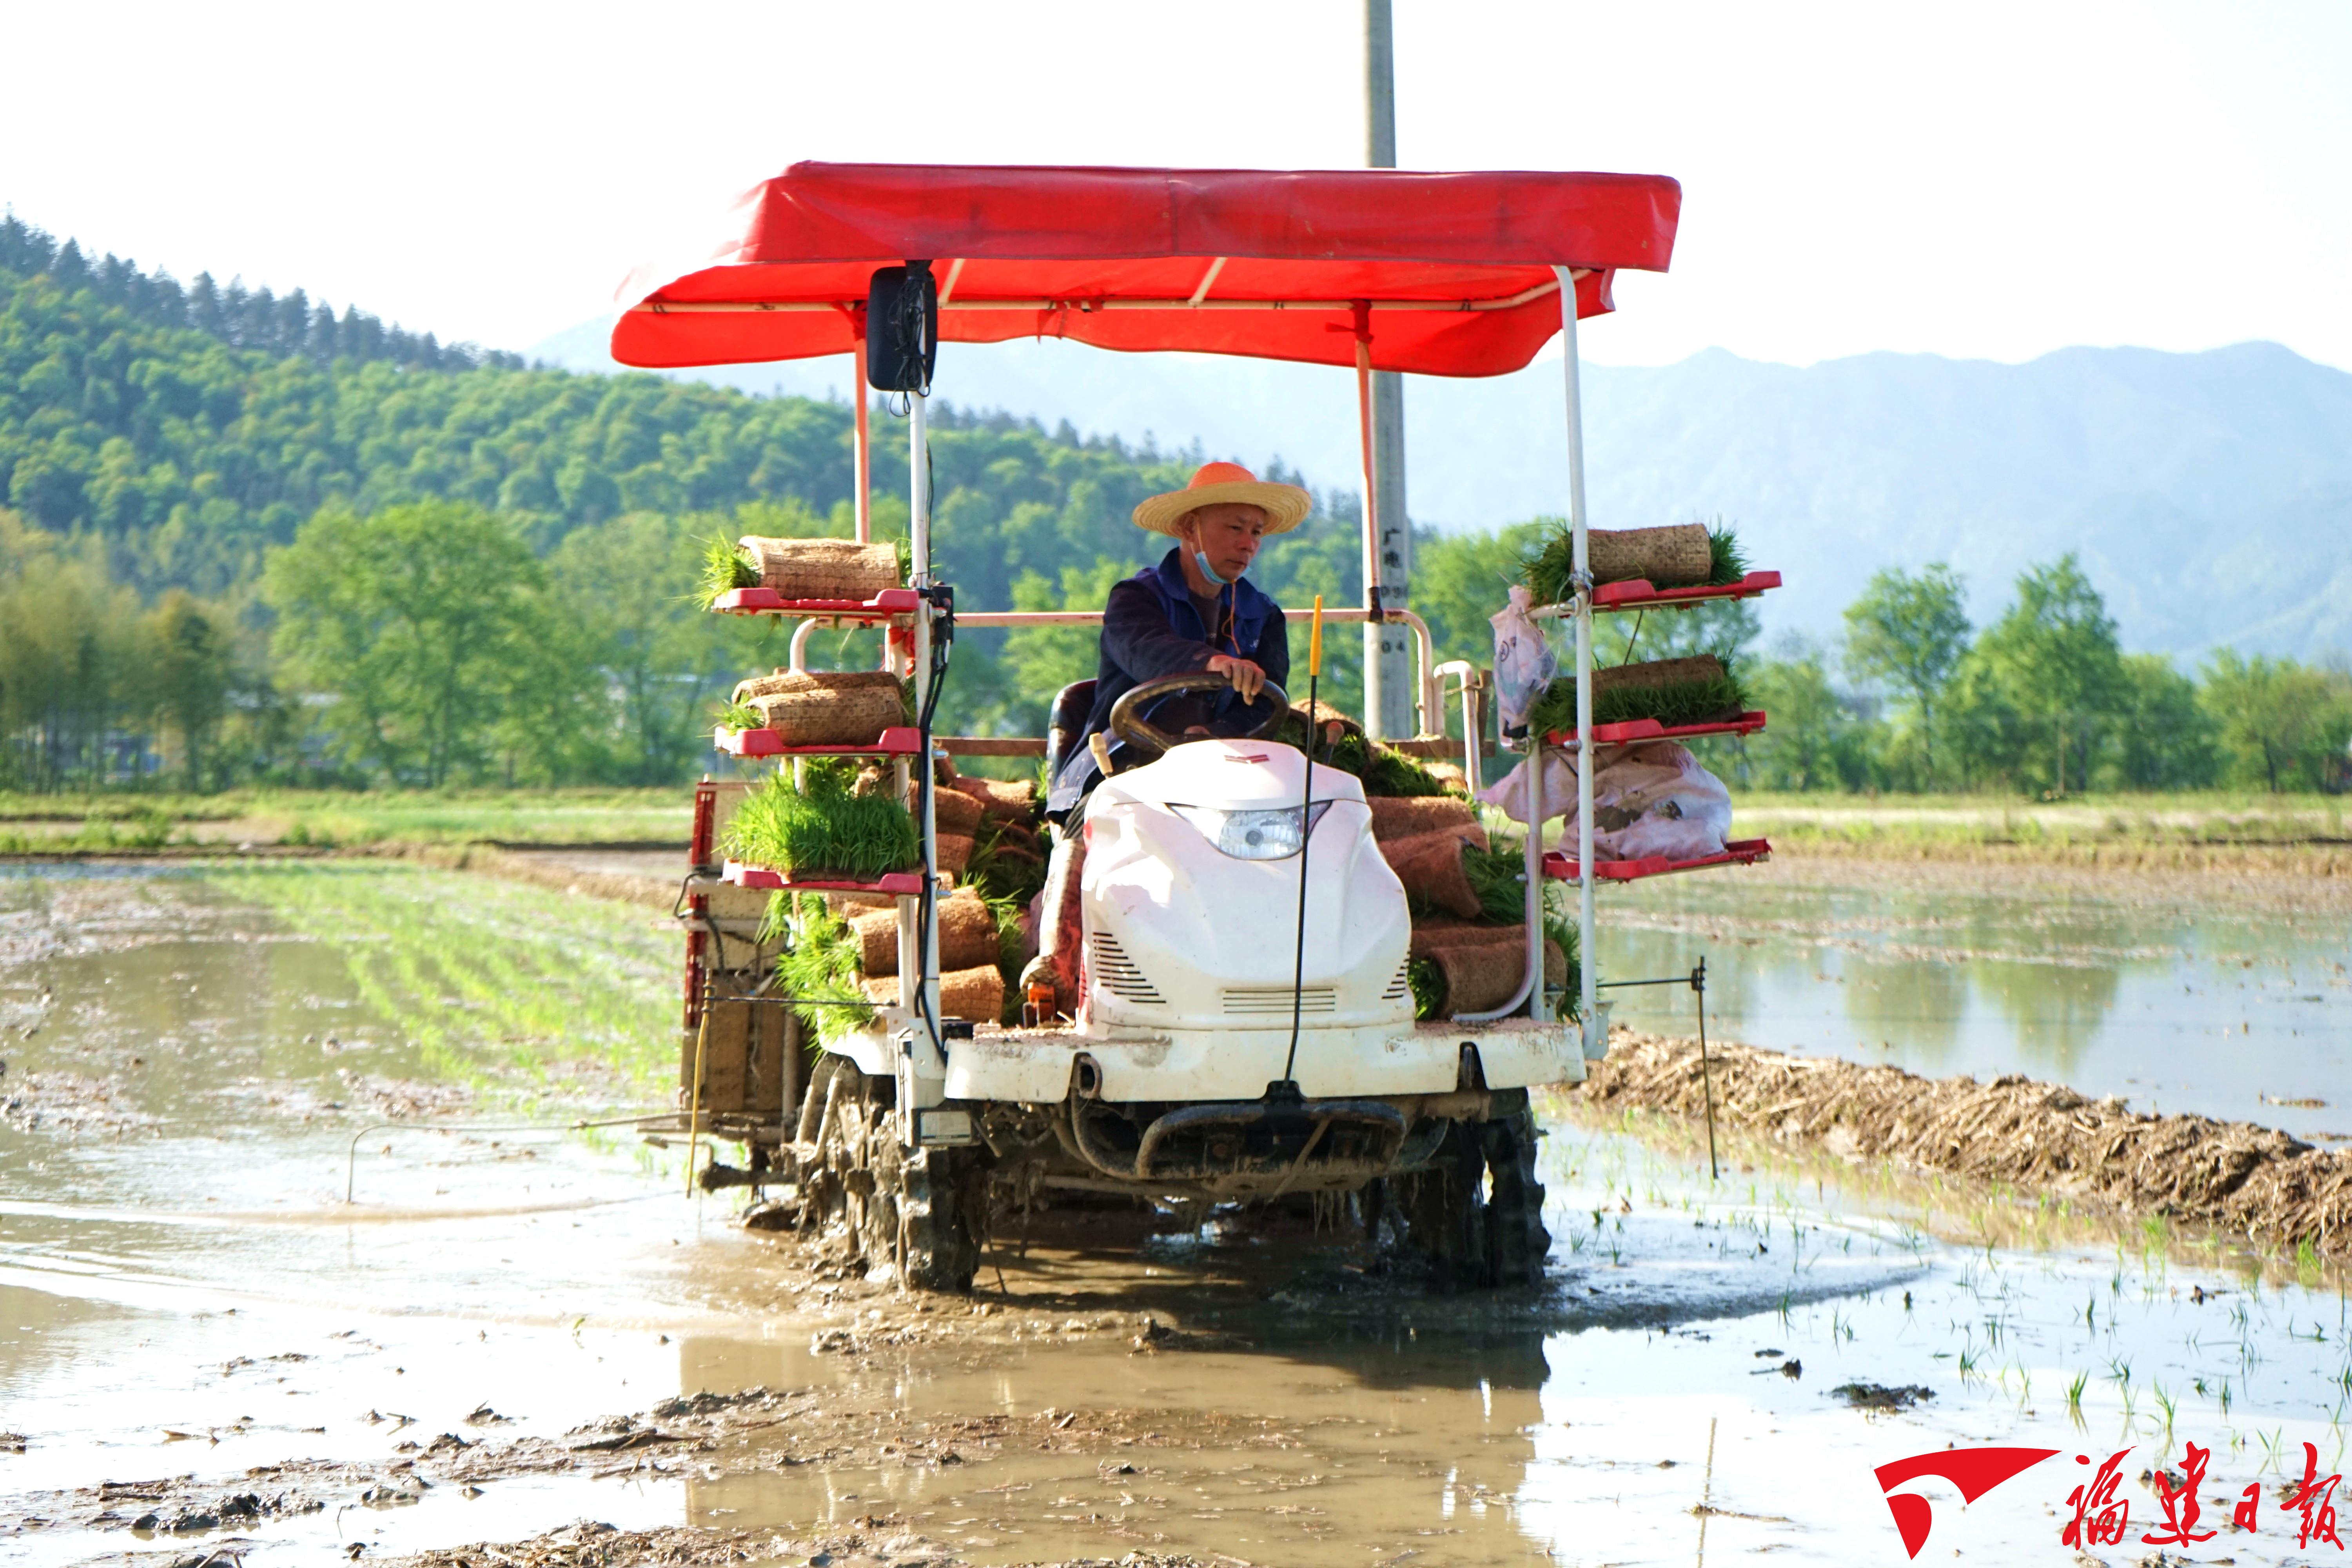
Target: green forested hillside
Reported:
[(148, 457), (247, 538)]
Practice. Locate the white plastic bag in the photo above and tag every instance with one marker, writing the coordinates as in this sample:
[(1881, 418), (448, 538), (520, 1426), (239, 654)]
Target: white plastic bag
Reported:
[(1509, 793), (1656, 799), (1524, 661), (1647, 799)]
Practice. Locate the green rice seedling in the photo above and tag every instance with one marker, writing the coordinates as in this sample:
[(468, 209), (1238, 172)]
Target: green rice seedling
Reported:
[(820, 966), (2225, 1398), (1499, 878), (1390, 773), (1428, 983), (726, 566), (2075, 1392), (1969, 1357), (1679, 702), (1002, 867), (738, 716), (2165, 1403), (1546, 568), (822, 828), (1726, 562)]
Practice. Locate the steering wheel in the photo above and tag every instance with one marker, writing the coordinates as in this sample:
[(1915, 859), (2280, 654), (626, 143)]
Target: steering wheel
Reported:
[(1130, 726)]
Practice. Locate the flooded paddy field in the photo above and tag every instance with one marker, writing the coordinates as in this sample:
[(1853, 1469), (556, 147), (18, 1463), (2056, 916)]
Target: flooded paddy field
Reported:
[(2230, 997), (202, 1346)]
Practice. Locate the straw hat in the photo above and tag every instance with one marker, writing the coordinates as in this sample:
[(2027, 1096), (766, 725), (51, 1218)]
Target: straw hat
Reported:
[(1285, 506)]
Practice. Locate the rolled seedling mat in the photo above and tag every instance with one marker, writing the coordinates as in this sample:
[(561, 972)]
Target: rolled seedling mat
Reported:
[(956, 812), (1482, 976), (1011, 800), (848, 905), (822, 568), (977, 994), (784, 680), (1430, 867), (1410, 816), (955, 853), (1675, 557), (967, 935), (827, 711), (1621, 691), (1435, 932)]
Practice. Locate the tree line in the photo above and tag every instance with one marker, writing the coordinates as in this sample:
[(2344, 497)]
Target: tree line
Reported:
[(241, 318), (231, 557)]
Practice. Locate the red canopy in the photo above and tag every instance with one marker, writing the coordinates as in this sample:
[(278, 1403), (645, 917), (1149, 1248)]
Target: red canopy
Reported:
[(1450, 273)]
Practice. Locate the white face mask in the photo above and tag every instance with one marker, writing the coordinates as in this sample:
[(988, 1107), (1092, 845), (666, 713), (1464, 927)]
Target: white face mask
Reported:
[(1201, 559)]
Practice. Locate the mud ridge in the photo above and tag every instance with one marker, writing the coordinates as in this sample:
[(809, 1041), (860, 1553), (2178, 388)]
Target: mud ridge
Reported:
[(2234, 1176), (2302, 858)]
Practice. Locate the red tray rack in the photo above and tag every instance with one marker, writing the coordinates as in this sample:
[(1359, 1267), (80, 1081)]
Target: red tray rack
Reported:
[(899, 740), (1638, 595), (1635, 729), (882, 606), (895, 884), (1736, 852)]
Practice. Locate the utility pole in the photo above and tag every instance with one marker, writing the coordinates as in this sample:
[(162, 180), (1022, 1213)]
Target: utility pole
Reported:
[(1387, 649)]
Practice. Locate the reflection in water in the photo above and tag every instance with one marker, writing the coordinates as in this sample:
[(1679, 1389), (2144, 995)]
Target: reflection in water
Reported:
[(2054, 1011), (1931, 998), (2175, 1005)]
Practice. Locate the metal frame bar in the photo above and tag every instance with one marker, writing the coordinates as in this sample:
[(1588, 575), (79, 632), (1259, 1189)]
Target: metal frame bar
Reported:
[(1428, 705), (1371, 528), (1588, 962), (1087, 305), (1473, 683)]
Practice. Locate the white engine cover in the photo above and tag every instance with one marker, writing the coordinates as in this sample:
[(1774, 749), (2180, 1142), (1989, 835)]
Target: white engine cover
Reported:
[(1181, 936)]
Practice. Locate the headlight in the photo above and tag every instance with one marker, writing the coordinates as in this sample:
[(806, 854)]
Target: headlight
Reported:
[(1254, 835)]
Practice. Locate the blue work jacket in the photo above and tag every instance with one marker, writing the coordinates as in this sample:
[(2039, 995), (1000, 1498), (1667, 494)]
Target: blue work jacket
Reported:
[(1151, 628)]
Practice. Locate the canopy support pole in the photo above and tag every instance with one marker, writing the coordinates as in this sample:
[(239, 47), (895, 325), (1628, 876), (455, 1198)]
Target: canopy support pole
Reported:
[(1581, 564), (921, 969), (862, 452), (1372, 726)]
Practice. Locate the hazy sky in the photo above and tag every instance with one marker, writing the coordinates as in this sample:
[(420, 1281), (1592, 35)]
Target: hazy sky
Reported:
[(1988, 180)]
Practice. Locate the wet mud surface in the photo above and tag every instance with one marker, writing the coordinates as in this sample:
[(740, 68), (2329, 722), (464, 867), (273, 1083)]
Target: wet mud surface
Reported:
[(529, 1347)]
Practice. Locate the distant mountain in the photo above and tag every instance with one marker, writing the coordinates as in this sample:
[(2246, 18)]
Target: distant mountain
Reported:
[(2209, 495)]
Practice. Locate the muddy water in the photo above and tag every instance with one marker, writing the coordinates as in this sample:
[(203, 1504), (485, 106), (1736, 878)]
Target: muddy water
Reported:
[(182, 1291), (2143, 988)]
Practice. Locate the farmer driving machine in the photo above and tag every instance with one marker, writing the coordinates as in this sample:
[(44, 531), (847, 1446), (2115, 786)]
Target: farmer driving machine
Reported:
[(1246, 1004)]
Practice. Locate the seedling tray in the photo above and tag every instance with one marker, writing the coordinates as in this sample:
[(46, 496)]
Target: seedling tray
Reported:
[(1736, 852), (899, 740), (1637, 595), (760, 878), (1635, 729), (883, 607)]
